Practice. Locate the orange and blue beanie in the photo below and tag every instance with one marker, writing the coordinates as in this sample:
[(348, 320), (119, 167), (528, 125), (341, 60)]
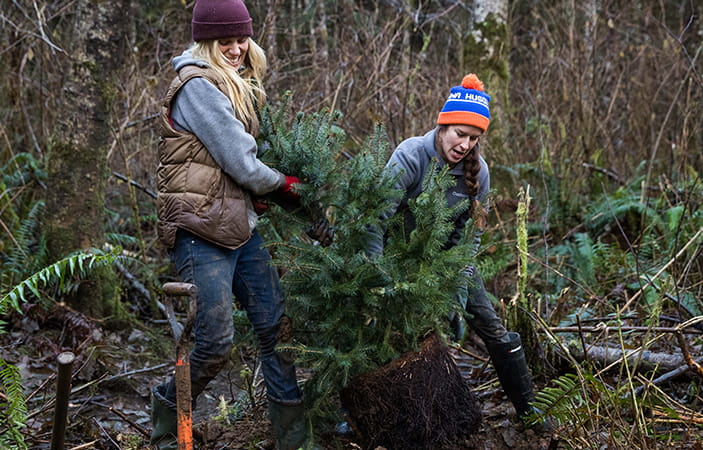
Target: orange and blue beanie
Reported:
[(466, 105)]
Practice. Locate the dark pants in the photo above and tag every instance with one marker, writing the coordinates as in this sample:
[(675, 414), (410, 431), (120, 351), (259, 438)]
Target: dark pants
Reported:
[(482, 317), (247, 273)]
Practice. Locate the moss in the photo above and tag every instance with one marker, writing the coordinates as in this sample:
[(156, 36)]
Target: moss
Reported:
[(485, 49), (485, 52)]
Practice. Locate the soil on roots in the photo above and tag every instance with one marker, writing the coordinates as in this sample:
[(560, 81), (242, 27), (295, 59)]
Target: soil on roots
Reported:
[(417, 401)]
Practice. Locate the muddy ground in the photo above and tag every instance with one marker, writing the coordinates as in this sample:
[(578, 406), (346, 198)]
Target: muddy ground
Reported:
[(114, 371)]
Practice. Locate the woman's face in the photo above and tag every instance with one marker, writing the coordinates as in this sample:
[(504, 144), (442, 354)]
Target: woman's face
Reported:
[(234, 49), (455, 141)]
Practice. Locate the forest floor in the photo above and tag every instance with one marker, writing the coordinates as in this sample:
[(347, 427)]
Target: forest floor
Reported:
[(115, 370)]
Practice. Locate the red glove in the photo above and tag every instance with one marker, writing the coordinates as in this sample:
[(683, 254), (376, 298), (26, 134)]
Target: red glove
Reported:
[(287, 189), (285, 196), (260, 206)]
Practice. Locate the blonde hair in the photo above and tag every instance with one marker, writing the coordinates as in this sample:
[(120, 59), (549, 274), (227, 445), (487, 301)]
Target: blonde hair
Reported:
[(243, 86)]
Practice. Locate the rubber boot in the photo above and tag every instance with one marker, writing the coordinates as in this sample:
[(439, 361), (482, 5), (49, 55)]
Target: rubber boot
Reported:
[(289, 427), (163, 421), (458, 327), (511, 367)]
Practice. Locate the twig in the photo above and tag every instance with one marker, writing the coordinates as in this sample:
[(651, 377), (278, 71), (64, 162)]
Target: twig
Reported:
[(40, 22), (48, 380), (151, 193), (665, 377), (86, 445), (693, 365), (614, 176), (564, 276), (584, 348), (132, 372), (142, 120), (75, 390), (124, 417), (106, 433), (679, 40), (461, 349)]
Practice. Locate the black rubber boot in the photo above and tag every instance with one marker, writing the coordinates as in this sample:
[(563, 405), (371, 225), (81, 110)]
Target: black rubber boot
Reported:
[(289, 427), (511, 367)]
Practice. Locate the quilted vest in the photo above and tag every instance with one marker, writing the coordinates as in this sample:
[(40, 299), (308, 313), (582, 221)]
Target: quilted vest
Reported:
[(194, 193)]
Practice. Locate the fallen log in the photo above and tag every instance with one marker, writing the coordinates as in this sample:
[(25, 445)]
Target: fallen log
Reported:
[(645, 360), (623, 329)]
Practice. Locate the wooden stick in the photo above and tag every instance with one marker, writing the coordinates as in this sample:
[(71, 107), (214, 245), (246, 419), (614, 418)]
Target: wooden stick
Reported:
[(184, 413), (693, 365), (597, 329), (63, 392)]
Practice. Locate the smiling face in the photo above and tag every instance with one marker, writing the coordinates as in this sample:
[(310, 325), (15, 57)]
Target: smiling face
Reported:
[(455, 141), (234, 49)]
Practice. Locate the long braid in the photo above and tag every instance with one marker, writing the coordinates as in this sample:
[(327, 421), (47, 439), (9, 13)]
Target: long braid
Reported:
[(472, 167)]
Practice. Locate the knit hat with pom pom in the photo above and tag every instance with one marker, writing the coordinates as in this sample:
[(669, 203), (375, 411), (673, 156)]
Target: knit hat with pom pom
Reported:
[(219, 19), (466, 105)]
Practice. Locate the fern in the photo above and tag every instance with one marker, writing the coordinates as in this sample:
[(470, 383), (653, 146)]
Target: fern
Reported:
[(59, 274), (13, 409), (563, 401), (26, 254)]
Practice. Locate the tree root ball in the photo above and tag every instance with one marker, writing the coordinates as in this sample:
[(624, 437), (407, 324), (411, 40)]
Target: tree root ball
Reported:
[(418, 401)]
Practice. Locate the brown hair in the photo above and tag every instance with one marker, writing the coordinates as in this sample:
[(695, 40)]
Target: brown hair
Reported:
[(472, 167)]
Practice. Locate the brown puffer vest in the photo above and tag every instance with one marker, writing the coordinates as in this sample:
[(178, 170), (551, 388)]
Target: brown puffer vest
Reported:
[(194, 193)]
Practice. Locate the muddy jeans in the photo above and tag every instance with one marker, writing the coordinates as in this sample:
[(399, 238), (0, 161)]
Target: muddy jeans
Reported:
[(247, 273), (482, 317)]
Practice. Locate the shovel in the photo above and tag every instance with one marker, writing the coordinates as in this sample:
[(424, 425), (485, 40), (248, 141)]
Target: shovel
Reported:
[(181, 333)]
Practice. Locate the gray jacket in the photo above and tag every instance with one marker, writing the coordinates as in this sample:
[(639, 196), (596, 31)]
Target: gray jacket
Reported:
[(412, 159)]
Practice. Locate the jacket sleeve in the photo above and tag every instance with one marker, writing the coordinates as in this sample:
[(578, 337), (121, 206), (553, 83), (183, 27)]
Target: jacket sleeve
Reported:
[(407, 170), (202, 109)]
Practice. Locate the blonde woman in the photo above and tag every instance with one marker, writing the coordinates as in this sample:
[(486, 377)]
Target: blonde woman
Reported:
[(208, 175)]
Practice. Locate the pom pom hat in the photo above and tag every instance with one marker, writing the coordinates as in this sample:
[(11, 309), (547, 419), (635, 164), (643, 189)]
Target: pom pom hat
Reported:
[(466, 105), (218, 19)]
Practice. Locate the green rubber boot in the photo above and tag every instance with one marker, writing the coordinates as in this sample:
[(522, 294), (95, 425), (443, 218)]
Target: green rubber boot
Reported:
[(163, 420), (289, 427)]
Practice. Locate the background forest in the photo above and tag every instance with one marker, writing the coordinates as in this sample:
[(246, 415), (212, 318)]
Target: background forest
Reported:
[(595, 151)]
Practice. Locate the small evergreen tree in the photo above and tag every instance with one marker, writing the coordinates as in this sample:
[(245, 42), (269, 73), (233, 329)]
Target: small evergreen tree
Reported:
[(354, 313)]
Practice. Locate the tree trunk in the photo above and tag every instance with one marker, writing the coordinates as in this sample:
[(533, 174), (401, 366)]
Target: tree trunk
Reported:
[(77, 160)]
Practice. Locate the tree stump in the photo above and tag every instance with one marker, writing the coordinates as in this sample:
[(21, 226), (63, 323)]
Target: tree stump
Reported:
[(418, 401)]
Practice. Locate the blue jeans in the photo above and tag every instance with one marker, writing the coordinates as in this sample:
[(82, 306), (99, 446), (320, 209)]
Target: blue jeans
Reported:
[(248, 273)]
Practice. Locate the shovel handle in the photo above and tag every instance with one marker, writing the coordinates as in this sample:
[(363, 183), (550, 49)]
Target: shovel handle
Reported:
[(184, 413), (179, 289)]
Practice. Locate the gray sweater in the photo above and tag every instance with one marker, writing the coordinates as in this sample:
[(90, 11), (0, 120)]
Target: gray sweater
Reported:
[(412, 159)]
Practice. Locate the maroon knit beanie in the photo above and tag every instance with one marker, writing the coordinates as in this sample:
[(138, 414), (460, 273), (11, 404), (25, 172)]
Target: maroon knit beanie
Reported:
[(218, 19)]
